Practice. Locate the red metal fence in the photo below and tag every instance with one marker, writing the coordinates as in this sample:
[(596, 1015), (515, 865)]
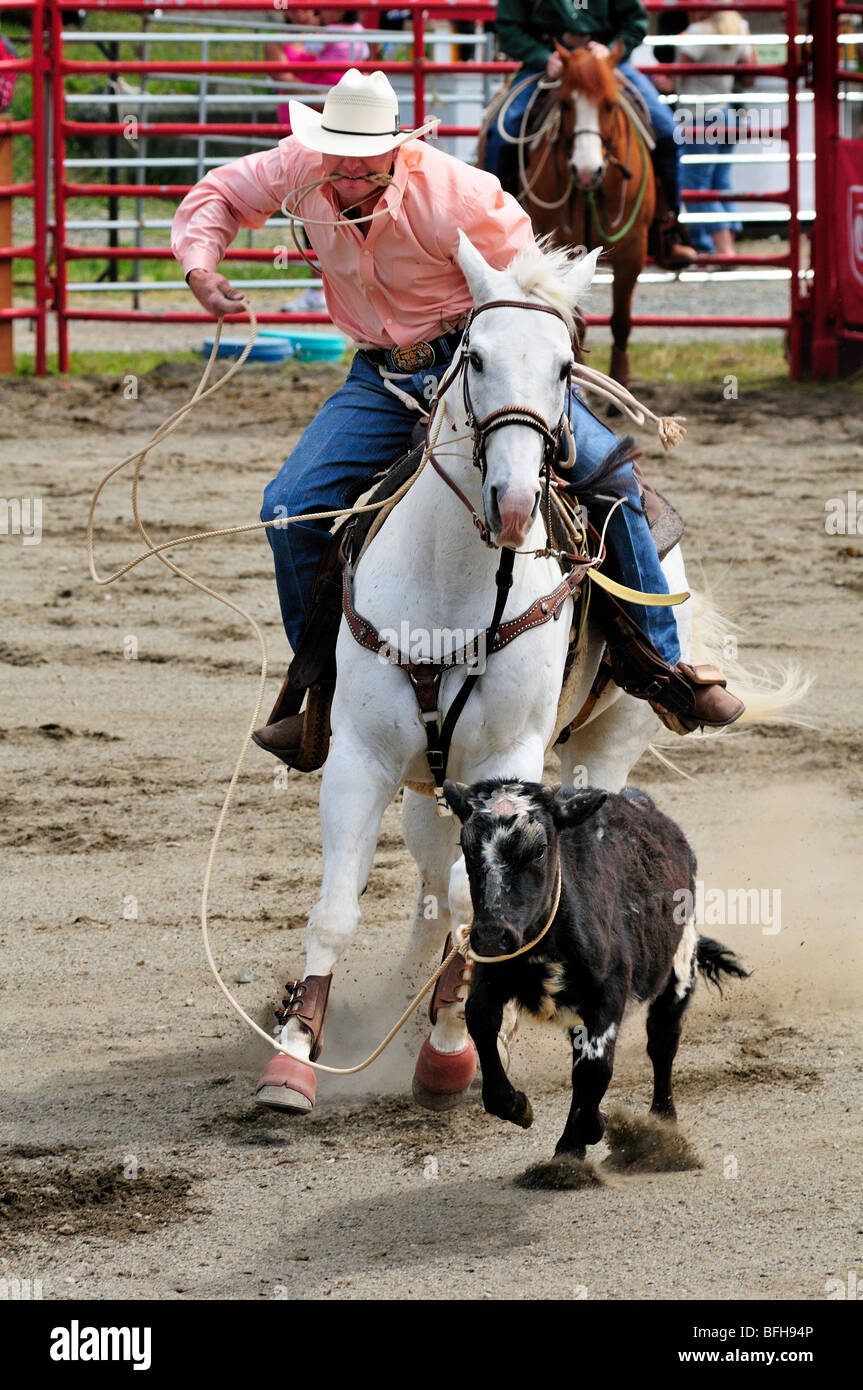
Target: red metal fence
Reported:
[(33, 189), (55, 52), (837, 302)]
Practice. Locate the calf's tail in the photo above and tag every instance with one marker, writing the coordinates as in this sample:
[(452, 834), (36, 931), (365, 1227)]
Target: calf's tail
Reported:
[(716, 960)]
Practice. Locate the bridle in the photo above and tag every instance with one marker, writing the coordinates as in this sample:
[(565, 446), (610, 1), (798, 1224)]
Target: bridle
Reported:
[(553, 437)]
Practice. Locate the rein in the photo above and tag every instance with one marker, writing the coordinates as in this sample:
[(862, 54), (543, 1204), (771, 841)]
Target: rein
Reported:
[(612, 238)]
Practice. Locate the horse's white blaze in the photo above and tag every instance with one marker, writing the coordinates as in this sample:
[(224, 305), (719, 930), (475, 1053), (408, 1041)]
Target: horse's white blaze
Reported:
[(588, 160)]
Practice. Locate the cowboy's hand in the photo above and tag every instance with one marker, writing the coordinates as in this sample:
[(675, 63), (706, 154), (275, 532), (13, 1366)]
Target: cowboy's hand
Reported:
[(554, 66), (599, 50), (214, 292)]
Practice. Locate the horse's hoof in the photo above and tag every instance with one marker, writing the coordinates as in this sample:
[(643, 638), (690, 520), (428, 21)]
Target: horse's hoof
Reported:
[(441, 1079), (287, 1084)]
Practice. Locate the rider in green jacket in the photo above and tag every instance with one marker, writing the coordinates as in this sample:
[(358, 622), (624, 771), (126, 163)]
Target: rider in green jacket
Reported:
[(527, 31)]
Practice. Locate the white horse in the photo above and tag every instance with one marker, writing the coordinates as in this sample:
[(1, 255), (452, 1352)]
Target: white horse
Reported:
[(426, 570)]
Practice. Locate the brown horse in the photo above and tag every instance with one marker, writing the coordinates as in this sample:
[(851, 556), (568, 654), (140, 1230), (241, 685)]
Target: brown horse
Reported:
[(588, 180)]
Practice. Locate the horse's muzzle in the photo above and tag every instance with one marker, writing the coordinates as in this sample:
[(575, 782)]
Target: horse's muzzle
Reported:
[(588, 180), (511, 517)]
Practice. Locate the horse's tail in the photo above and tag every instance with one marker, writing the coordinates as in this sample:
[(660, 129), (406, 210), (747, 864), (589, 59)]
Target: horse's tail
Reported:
[(768, 692)]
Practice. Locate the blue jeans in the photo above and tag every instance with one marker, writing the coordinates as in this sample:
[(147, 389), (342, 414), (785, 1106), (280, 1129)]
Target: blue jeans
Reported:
[(717, 177), (363, 428)]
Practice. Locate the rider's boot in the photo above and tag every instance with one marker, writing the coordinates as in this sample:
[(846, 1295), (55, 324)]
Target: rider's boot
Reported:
[(685, 697), (669, 242), (287, 1082), (301, 738)]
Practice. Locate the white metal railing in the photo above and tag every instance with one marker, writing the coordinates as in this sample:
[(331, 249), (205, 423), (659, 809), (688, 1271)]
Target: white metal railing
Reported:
[(465, 94)]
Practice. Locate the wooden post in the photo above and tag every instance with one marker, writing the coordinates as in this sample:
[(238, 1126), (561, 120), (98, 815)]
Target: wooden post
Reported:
[(7, 326)]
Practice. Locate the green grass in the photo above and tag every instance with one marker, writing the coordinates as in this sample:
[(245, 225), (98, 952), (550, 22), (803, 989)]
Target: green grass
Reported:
[(107, 363), (117, 364), (754, 363)]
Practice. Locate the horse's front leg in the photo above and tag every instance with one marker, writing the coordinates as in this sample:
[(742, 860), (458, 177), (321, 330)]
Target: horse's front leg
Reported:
[(351, 811), (629, 261)]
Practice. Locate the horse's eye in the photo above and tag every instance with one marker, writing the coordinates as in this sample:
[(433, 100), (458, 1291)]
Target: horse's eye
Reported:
[(475, 361), (565, 370), (539, 856)]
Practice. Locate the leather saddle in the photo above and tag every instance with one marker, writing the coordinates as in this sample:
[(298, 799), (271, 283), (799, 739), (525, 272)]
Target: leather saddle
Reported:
[(313, 667)]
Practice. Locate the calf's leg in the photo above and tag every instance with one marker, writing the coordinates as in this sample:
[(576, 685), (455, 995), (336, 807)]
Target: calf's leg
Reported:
[(592, 1066), (664, 1026), (484, 1014)]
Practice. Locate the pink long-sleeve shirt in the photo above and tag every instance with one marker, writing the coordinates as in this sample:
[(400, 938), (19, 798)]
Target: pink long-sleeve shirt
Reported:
[(400, 283)]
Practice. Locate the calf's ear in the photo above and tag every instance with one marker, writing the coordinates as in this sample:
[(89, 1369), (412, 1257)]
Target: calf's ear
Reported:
[(456, 798), (571, 808)]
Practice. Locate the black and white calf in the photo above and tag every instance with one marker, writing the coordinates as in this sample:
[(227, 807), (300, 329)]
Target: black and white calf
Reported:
[(622, 931)]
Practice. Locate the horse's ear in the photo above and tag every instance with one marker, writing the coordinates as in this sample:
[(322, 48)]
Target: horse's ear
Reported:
[(475, 269), (581, 273), (562, 52), (456, 798), (615, 57), (571, 808)]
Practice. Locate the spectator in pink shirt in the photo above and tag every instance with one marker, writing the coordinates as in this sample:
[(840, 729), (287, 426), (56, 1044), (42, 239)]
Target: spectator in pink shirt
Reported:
[(395, 286), (341, 52)]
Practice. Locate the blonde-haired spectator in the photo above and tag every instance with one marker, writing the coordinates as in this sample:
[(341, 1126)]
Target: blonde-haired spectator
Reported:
[(713, 237)]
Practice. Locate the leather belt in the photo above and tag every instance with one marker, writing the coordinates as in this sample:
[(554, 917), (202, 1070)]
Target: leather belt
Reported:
[(417, 356)]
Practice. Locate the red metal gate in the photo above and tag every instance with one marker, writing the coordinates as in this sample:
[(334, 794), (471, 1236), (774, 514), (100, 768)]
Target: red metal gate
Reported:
[(837, 249), (803, 308), (33, 189)]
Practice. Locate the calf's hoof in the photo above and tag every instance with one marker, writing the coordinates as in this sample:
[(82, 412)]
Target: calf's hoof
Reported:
[(441, 1079), (517, 1109), (287, 1084)]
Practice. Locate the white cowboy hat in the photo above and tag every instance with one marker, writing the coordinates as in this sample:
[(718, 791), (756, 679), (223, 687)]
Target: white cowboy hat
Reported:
[(360, 117)]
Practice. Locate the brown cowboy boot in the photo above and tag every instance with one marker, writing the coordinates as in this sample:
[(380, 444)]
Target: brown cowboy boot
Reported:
[(672, 250), (302, 739), (668, 242), (685, 697)]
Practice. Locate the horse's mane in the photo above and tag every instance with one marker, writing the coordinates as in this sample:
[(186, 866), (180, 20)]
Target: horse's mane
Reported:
[(591, 75), (554, 275)]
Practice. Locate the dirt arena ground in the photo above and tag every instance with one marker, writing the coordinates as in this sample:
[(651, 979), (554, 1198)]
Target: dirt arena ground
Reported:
[(134, 1164)]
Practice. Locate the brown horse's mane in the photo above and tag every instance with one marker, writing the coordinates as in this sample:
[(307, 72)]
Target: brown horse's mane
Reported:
[(592, 76)]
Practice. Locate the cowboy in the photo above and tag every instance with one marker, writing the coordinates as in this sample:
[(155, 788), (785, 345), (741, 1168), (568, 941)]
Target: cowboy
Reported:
[(382, 210), (527, 31)]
